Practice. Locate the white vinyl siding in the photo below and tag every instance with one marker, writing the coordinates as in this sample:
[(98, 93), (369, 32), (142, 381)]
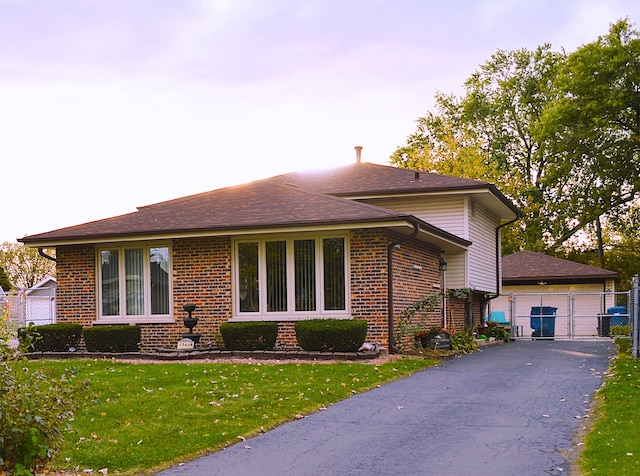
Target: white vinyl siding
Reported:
[(446, 212), (482, 253), (459, 215)]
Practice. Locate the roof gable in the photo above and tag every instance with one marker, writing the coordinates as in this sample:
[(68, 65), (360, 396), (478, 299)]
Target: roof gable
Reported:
[(528, 267)]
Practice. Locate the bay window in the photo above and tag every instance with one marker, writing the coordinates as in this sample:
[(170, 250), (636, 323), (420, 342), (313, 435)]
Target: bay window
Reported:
[(134, 283), (287, 277)]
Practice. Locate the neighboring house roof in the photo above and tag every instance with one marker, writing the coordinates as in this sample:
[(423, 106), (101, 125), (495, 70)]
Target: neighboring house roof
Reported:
[(48, 282), (46, 287), (530, 267)]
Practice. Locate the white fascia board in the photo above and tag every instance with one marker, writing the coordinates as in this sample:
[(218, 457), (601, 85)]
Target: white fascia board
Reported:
[(203, 233)]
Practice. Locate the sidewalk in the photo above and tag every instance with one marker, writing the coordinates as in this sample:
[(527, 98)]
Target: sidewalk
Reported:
[(507, 410)]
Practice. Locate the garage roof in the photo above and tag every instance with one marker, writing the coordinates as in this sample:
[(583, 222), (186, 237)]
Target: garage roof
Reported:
[(530, 267)]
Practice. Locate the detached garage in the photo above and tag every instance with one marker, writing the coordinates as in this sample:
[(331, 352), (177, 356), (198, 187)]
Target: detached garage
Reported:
[(531, 272), (574, 296)]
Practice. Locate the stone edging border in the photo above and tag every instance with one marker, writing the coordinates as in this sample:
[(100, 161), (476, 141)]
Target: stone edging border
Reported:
[(171, 354)]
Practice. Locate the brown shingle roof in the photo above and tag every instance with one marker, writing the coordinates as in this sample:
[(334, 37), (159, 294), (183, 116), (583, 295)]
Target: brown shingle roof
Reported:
[(530, 267), (367, 178), (297, 199), (255, 205)]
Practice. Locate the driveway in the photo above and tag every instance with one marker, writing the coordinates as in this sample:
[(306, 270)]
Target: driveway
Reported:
[(508, 410)]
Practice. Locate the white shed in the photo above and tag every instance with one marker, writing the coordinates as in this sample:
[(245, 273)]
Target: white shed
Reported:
[(41, 302)]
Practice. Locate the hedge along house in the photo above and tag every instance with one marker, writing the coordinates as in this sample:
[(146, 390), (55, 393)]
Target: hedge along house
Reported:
[(362, 241)]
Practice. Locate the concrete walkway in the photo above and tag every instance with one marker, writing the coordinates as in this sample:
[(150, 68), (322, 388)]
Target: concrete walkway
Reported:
[(508, 410)]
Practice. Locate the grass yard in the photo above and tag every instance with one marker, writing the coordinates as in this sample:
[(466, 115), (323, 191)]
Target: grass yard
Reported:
[(143, 417), (612, 447)]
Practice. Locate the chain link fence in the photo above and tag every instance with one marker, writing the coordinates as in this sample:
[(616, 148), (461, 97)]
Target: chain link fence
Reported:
[(37, 305), (565, 315)]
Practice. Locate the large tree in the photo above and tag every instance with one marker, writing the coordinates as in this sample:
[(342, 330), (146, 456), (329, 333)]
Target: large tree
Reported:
[(594, 132), (556, 133), (490, 134), (25, 266)]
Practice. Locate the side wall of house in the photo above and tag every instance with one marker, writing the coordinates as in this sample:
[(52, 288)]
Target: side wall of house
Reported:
[(76, 275), (481, 258), (202, 276), (368, 262), (448, 213), (416, 274), (465, 218)]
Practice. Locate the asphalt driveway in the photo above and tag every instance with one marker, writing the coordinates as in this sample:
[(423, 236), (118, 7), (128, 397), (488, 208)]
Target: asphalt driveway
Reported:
[(509, 410)]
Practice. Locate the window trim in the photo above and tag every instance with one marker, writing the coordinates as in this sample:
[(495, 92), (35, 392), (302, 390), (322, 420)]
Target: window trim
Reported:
[(147, 317), (291, 314)]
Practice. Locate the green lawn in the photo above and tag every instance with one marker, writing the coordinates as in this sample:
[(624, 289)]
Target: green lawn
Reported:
[(140, 418), (612, 447)]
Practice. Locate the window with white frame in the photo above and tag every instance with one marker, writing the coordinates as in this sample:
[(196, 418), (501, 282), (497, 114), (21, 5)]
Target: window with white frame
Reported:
[(134, 283), (280, 277)]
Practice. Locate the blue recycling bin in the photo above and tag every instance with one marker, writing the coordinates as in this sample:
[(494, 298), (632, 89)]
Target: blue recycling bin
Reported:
[(619, 315), (543, 321)]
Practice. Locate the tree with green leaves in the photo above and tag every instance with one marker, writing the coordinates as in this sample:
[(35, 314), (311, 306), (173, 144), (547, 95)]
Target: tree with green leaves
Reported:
[(594, 133), (25, 266), (490, 134), (5, 282), (557, 133)]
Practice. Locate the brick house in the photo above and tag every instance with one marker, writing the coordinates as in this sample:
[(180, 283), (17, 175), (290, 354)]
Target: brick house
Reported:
[(362, 241)]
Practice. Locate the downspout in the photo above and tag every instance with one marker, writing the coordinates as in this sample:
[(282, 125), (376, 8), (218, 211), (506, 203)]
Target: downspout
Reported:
[(45, 255), (498, 258), (390, 248)]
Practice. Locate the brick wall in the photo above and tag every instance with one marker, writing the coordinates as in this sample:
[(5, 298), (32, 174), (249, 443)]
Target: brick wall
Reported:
[(202, 276), (76, 276), (416, 274), (368, 284)]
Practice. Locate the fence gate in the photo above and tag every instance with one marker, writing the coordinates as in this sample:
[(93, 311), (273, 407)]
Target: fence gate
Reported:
[(564, 315)]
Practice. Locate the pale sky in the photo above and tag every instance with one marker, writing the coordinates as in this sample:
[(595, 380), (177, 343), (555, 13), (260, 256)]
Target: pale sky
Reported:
[(106, 105)]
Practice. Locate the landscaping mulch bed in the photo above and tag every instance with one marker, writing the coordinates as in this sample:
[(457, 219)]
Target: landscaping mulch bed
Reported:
[(168, 355)]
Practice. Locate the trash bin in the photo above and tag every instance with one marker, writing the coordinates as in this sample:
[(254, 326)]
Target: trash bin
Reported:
[(604, 325), (543, 321), (619, 316)]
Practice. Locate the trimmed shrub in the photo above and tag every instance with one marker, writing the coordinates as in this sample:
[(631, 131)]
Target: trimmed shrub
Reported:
[(116, 338), (259, 335), (50, 337), (331, 335)]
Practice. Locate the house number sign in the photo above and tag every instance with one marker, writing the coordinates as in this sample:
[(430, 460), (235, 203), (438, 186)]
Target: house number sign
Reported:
[(185, 344)]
